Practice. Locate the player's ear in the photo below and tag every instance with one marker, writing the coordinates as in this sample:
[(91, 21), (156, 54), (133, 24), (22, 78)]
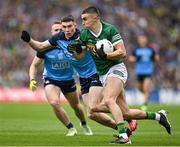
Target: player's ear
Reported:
[(95, 16), (75, 24)]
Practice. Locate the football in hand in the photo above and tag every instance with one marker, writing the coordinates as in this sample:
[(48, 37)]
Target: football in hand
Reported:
[(107, 45)]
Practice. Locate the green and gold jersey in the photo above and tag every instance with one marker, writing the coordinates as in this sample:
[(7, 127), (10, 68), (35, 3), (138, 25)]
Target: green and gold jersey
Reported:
[(89, 39)]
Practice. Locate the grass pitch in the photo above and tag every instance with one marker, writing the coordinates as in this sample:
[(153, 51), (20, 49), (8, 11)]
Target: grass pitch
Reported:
[(36, 125)]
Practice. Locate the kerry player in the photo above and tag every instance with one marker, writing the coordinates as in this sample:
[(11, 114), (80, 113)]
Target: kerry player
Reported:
[(113, 73)]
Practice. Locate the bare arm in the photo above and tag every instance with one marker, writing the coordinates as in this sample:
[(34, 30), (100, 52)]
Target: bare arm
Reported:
[(119, 53), (33, 68), (132, 58), (36, 45), (39, 46), (157, 58)]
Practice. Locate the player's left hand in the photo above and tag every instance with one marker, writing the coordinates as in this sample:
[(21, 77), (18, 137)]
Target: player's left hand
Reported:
[(33, 85), (75, 46), (101, 52)]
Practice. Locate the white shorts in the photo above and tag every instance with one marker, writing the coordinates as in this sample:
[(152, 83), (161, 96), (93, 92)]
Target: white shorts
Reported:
[(118, 71)]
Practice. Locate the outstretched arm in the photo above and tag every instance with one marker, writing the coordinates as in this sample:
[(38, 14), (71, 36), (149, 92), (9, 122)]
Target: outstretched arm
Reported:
[(36, 45), (40, 46)]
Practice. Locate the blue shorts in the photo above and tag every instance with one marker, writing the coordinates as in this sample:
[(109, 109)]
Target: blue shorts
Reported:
[(66, 86), (86, 83)]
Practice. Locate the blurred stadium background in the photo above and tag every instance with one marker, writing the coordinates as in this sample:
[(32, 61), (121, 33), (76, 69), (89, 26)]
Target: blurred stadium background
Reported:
[(34, 124), (159, 19)]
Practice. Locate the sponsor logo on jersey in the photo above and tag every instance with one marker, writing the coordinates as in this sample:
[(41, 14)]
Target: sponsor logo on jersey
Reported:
[(60, 65)]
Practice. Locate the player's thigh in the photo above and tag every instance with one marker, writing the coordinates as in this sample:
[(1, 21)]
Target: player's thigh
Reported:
[(72, 98), (95, 95), (112, 88), (52, 93), (85, 98), (147, 82)]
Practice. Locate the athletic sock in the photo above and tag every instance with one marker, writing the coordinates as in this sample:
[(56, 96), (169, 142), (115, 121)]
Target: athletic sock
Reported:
[(150, 115), (116, 128), (121, 128), (157, 117), (83, 123), (70, 125)]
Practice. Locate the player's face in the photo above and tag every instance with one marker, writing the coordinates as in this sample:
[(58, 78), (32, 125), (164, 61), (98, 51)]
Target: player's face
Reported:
[(88, 20), (56, 28), (69, 28), (142, 40)]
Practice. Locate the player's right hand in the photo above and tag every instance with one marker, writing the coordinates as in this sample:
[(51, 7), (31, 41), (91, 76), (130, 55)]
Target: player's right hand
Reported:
[(101, 52), (75, 46), (33, 85), (25, 36), (71, 49)]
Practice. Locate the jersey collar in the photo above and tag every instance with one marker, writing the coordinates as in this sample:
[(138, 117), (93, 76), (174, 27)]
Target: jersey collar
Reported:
[(98, 32)]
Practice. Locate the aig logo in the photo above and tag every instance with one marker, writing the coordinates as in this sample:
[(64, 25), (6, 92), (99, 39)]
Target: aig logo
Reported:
[(60, 65)]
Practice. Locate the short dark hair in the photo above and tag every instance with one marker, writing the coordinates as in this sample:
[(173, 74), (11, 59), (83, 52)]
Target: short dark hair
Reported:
[(57, 22), (91, 10), (67, 18)]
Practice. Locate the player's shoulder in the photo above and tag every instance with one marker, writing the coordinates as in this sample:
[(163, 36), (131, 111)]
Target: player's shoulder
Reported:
[(60, 36), (84, 34), (107, 25), (57, 36), (84, 31)]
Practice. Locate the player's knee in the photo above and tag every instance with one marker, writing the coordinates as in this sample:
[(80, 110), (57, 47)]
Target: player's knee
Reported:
[(126, 115), (91, 115), (109, 102), (76, 106), (54, 103)]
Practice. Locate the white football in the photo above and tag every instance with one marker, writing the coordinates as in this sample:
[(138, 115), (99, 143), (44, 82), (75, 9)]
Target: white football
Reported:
[(107, 45)]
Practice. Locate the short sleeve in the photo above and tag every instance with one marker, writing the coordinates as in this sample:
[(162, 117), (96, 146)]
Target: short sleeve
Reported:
[(115, 35), (54, 38), (40, 55)]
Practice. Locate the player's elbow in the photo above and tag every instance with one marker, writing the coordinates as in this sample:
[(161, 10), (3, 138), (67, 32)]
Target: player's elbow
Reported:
[(41, 47), (122, 55)]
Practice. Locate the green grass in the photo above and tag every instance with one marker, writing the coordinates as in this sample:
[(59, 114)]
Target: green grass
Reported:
[(36, 125)]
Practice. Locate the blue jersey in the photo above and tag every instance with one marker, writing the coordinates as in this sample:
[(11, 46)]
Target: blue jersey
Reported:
[(144, 63), (56, 65), (84, 67)]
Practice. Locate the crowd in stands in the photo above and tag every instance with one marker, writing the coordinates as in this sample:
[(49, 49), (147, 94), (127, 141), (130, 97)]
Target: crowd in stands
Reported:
[(158, 19)]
